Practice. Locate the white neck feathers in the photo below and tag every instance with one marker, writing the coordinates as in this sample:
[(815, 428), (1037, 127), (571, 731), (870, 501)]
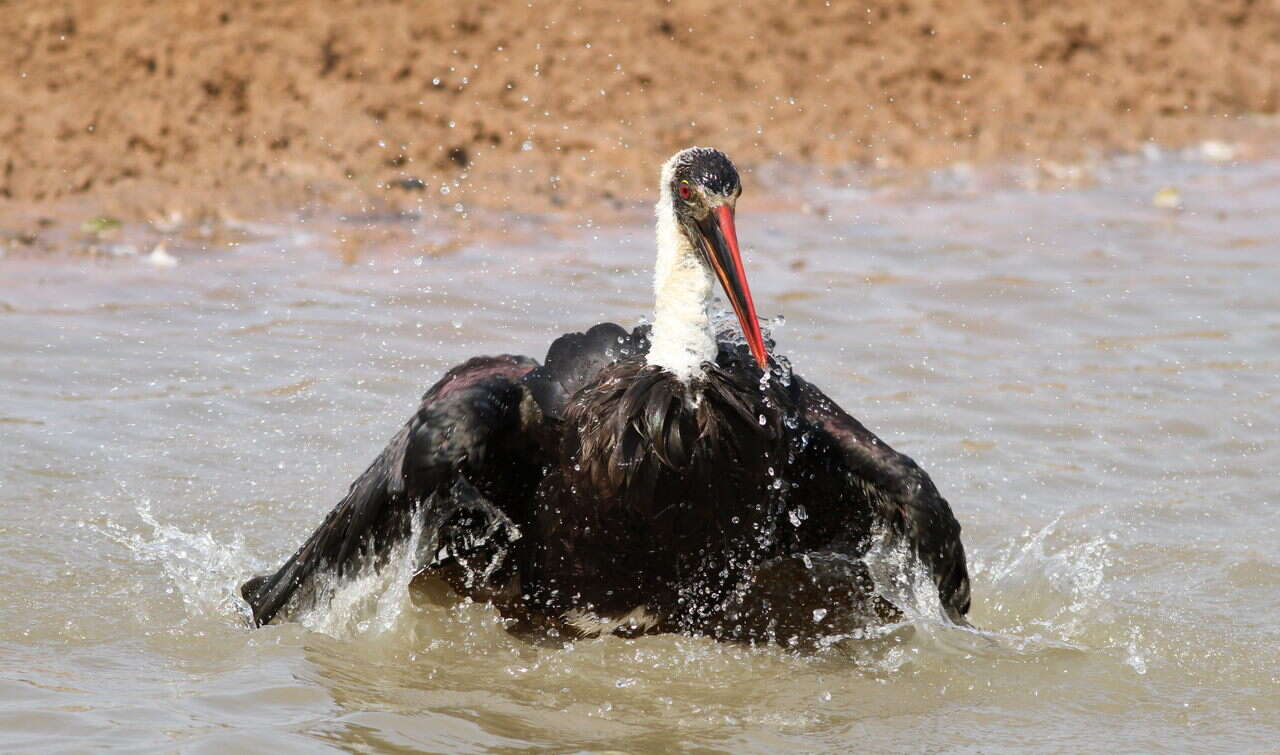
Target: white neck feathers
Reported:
[(682, 337)]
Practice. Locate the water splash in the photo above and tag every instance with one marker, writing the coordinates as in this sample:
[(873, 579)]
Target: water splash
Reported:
[(1078, 596), (1136, 656), (368, 603), (924, 630), (204, 572), (1050, 595), (207, 575), (728, 330), (902, 579)]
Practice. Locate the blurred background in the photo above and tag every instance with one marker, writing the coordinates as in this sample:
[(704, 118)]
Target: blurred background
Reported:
[(542, 104), (1031, 244)]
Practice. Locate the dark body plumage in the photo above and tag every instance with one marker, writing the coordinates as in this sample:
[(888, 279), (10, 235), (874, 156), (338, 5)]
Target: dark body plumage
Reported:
[(595, 493)]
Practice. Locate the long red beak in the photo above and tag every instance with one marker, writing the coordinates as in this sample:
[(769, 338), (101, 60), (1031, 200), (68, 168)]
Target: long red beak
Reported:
[(720, 243)]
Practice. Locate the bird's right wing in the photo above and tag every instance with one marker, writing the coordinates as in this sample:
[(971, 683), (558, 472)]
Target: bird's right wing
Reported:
[(471, 450), (856, 484)]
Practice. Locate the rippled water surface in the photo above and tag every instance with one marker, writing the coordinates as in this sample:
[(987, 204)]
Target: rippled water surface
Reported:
[(1092, 380)]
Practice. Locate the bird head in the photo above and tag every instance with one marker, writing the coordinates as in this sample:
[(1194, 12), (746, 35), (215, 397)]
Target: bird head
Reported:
[(703, 188)]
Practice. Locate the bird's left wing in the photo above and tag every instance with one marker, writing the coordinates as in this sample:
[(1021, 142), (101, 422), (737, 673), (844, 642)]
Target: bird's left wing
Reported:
[(855, 484)]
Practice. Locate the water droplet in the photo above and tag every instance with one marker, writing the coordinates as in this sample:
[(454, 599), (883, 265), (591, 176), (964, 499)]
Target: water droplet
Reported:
[(819, 614), (763, 420)]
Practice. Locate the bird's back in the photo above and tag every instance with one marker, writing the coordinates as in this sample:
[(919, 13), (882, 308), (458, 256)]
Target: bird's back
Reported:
[(663, 491)]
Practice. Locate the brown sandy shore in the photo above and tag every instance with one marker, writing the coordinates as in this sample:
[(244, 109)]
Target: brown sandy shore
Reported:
[(141, 107)]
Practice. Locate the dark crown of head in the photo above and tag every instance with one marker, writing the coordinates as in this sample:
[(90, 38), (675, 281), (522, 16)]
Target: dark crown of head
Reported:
[(709, 168)]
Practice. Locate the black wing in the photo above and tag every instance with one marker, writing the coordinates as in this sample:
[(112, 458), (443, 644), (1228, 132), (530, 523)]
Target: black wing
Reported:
[(471, 453), (856, 483), (575, 360)]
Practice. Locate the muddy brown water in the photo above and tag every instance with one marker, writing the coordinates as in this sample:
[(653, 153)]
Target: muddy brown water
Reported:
[(1093, 381)]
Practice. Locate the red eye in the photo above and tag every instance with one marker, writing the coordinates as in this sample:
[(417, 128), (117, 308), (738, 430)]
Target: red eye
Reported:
[(685, 191)]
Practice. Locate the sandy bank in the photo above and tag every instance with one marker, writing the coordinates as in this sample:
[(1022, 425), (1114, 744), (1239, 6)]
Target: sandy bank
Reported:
[(544, 104)]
